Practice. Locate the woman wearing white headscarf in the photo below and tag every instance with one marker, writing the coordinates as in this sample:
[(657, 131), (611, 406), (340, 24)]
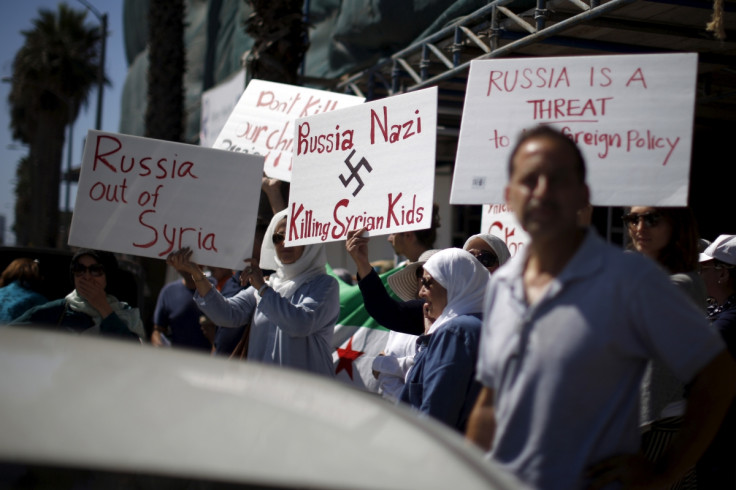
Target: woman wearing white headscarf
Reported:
[(293, 312), (489, 249), (442, 382)]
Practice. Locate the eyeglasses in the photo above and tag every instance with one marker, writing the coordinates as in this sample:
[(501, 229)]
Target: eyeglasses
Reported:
[(651, 219), (488, 259), (427, 283), (95, 270), (278, 238), (702, 268)]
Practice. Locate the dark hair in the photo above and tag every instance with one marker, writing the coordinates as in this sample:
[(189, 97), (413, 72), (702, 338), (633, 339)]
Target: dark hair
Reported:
[(23, 270), (681, 252), (427, 236), (555, 135), (106, 259)]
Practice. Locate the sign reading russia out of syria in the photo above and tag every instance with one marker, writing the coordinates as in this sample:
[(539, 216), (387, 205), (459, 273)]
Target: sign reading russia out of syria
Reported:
[(631, 116), (148, 197), (368, 166), (262, 122)]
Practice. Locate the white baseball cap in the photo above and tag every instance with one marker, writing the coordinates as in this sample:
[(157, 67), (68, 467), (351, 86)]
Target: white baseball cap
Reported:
[(723, 248)]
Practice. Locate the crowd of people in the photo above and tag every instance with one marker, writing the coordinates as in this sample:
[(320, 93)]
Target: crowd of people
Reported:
[(574, 365)]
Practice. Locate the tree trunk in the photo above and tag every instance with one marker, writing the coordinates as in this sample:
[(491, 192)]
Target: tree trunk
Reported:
[(45, 157), (280, 40), (165, 105)]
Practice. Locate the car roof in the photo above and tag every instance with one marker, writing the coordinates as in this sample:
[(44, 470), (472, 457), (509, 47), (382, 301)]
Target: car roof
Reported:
[(79, 401)]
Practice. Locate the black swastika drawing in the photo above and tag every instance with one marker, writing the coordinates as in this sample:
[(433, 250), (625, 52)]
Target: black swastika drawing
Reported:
[(354, 172)]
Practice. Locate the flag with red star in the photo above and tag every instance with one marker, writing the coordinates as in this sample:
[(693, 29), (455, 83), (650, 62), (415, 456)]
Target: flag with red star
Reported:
[(358, 338)]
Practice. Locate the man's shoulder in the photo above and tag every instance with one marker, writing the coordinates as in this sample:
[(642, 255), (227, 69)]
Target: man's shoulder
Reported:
[(174, 286), (44, 312), (617, 261)]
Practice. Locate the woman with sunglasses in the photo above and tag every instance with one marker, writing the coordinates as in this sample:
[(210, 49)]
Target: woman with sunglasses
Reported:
[(442, 381), (490, 250), (293, 311), (88, 309), (668, 236)]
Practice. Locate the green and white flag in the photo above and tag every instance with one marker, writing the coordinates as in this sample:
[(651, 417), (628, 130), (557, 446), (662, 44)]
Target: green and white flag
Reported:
[(358, 338)]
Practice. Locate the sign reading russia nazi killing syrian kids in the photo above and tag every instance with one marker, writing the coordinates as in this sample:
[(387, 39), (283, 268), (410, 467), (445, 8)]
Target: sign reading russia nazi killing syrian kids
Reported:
[(148, 197), (262, 122), (370, 165), (631, 116)]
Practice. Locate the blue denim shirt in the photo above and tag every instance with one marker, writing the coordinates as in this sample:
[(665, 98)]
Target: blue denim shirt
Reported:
[(442, 382)]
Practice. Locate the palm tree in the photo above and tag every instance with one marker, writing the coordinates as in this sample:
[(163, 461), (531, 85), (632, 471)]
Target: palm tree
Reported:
[(23, 202), (166, 65), (280, 40), (53, 73)]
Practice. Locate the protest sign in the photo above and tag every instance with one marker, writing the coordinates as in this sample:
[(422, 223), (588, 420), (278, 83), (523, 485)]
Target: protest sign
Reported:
[(262, 122), (499, 220), (217, 105), (149, 197), (630, 115), (369, 166)]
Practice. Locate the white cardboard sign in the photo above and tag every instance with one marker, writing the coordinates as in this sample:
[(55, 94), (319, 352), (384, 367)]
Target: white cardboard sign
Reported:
[(631, 116), (369, 166), (262, 122), (499, 220), (217, 105), (148, 197)]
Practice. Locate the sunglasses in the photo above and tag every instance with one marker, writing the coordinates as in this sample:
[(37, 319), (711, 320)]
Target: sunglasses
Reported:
[(427, 283), (650, 220), (488, 259), (702, 268), (278, 238), (95, 270)]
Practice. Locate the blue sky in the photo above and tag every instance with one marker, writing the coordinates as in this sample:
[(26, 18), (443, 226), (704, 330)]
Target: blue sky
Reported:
[(19, 17)]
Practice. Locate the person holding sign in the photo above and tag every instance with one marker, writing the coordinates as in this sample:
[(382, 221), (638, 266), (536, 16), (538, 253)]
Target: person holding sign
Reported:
[(569, 326), (293, 312), (88, 309), (442, 381)]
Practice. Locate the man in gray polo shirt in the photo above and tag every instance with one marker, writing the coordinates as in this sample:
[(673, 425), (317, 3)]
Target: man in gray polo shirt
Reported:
[(569, 326)]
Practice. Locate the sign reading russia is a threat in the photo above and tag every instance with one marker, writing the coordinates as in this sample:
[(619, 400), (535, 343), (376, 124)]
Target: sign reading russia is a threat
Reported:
[(262, 122), (148, 197), (631, 116), (368, 166)]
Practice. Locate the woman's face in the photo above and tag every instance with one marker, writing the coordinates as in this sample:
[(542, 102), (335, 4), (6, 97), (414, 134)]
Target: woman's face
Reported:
[(287, 255), (648, 230), (434, 296), (88, 269), (484, 253)]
